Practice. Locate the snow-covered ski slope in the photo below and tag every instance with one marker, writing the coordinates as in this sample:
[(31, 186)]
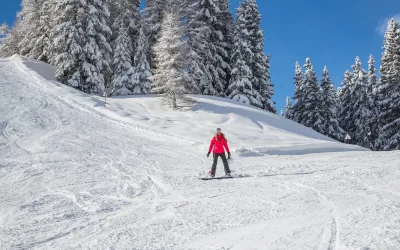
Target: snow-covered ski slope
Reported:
[(76, 174)]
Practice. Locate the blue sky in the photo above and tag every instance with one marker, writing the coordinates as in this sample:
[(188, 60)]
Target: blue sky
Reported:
[(331, 33)]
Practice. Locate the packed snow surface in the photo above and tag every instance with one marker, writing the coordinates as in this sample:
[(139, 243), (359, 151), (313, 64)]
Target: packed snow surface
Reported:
[(76, 173)]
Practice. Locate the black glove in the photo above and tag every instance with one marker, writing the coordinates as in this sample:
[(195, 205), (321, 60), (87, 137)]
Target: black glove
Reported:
[(208, 154), (229, 155)]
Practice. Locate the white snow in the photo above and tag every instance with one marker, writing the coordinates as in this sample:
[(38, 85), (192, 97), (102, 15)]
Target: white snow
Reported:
[(78, 174)]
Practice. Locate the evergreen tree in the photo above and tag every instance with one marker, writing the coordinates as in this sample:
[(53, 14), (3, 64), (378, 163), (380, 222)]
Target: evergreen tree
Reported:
[(329, 108), (282, 113), (196, 32), (82, 43), (30, 25), (299, 105), (389, 91), (346, 116), (68, 49), (258, 62), (311, 115), (126, 22), (288, 108), (240, 88), (170, 77), (372, 89), (42, 48), (123, 69), (3, 32), (142, 83), (359, 105), (151, 22), (223, 36), (9, 39), (267, 88), (214, 80), (390, 67)]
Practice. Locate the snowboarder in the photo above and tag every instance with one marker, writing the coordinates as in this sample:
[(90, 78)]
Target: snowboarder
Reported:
[(347, 139), (218, 146)]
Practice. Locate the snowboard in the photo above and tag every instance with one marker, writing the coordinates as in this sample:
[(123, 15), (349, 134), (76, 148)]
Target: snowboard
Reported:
[(216, 178)]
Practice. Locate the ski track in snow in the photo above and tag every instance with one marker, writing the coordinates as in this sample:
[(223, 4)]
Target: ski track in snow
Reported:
[(74, 178), (334, 226)]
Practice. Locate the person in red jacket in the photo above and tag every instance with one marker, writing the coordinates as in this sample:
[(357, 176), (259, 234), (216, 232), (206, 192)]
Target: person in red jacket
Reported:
[(218, 146)]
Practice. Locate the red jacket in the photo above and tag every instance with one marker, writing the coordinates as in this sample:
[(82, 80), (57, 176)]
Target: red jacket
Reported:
[(218, 142)]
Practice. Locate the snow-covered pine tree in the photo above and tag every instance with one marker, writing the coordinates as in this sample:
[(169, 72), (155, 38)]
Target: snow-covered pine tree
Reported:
[(142, 83), (359, 105), (223, 36), (196, 33), (288, 108), (3, 32), (30, 25), (346, 117), (267, 88), (126, 23), (243, 23), (151, 22), (10, 38), (372, 89), (390, 67), (389, 90), (213, 83), (282, 113), (83, 44), (329, 108), (312, 98), (68, 52), (240, 88), (42, 48), (170, 78), (123, 77), (258, 62), (299, 104)]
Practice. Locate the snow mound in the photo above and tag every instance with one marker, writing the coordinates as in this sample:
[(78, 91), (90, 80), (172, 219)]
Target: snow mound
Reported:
[(250, 131)]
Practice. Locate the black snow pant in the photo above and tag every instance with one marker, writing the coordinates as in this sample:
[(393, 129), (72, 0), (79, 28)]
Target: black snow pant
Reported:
[(224, 160)]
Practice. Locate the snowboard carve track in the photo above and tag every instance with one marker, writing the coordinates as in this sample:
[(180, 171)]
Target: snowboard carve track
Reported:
[(4, 130), (334, 225)]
